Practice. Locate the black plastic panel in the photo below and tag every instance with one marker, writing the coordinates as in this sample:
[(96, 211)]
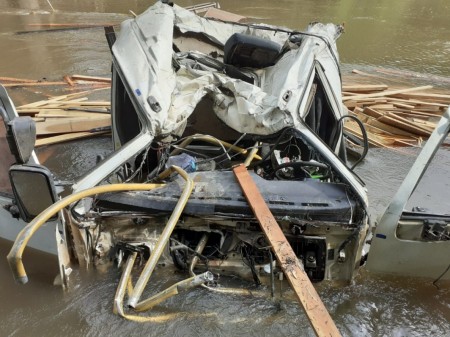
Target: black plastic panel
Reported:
[(250, 51), (219, 193)]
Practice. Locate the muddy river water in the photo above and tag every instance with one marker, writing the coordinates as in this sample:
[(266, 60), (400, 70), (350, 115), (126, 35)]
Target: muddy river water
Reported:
[(411, 36)]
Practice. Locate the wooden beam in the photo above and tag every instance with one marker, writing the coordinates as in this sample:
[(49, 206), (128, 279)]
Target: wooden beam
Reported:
[(364, 87), (91, 78), (387, 93), (78, 94), (374, 140), (421, 95), (67, 125), (219, 14), (404, 124), (318, 315), (368, 120), (20, 80), (67, 137), (32, 84), (68, 114), (72, 24), (372, 113)]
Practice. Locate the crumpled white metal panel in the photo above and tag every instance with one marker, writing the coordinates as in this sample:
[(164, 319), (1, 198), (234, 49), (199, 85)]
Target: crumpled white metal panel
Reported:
[(144, 54)]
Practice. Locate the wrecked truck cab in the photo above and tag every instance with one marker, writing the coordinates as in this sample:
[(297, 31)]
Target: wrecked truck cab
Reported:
[(192, 98), (207, 95)]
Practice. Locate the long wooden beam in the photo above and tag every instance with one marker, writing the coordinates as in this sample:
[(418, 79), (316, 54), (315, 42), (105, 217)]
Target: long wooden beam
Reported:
[(318, 315)]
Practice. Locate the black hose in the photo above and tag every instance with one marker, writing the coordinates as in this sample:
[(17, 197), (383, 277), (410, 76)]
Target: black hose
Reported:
[(300, 164), (268, 154), (364, 134)]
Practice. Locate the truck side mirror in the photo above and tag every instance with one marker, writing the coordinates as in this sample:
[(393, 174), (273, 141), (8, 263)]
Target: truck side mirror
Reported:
[(33, 189), (21, 136)]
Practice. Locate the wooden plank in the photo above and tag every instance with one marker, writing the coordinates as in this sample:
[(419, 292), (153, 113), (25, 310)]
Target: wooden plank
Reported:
[(91, 78), (67, 125), (364, 102), (374, 140), (388, 93), (33, 105), (392, 129), (414, 114), (403, 105), (425, 124), (421, 95), (72, 24), (397, 98), (423, 112), (403, 119), (364, 87), (372, 112), (67, 114), (316, 311), (78, 94), (46, 104), (68, 80), (20, 80), (401, 124), (347, 93), (50, 30), (362, 73), (37, 84), (219, 14), (382, 106), (67, 137), (86, 103), (351, 104), (383, 126)]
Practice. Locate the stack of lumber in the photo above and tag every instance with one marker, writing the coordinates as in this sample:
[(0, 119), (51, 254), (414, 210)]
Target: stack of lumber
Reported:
[(393, 116), (68, 117)]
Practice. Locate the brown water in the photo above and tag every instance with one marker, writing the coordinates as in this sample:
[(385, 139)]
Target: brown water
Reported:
[(406, 35)]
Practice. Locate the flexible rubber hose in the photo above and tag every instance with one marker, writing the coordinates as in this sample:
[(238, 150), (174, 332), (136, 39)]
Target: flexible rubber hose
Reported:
[(211, 140), (15, 255), (164, 236)]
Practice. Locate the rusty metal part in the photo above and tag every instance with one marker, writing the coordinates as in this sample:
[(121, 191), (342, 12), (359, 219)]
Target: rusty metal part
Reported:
[(318, 315), (199, 249), (175, 289)]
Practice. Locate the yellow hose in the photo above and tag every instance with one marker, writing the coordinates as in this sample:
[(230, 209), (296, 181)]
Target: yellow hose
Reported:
[(212, 140), (150, 265), (252, 155), (120, 293), (15, 255)]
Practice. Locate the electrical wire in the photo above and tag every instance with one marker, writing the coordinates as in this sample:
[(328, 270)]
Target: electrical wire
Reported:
[(440, 276), (226, 152), (139, 169), (237, 154), (278, 141)]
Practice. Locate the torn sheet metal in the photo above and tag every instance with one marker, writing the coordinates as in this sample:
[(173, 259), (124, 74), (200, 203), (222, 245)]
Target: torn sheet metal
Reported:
[(169, 97)]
